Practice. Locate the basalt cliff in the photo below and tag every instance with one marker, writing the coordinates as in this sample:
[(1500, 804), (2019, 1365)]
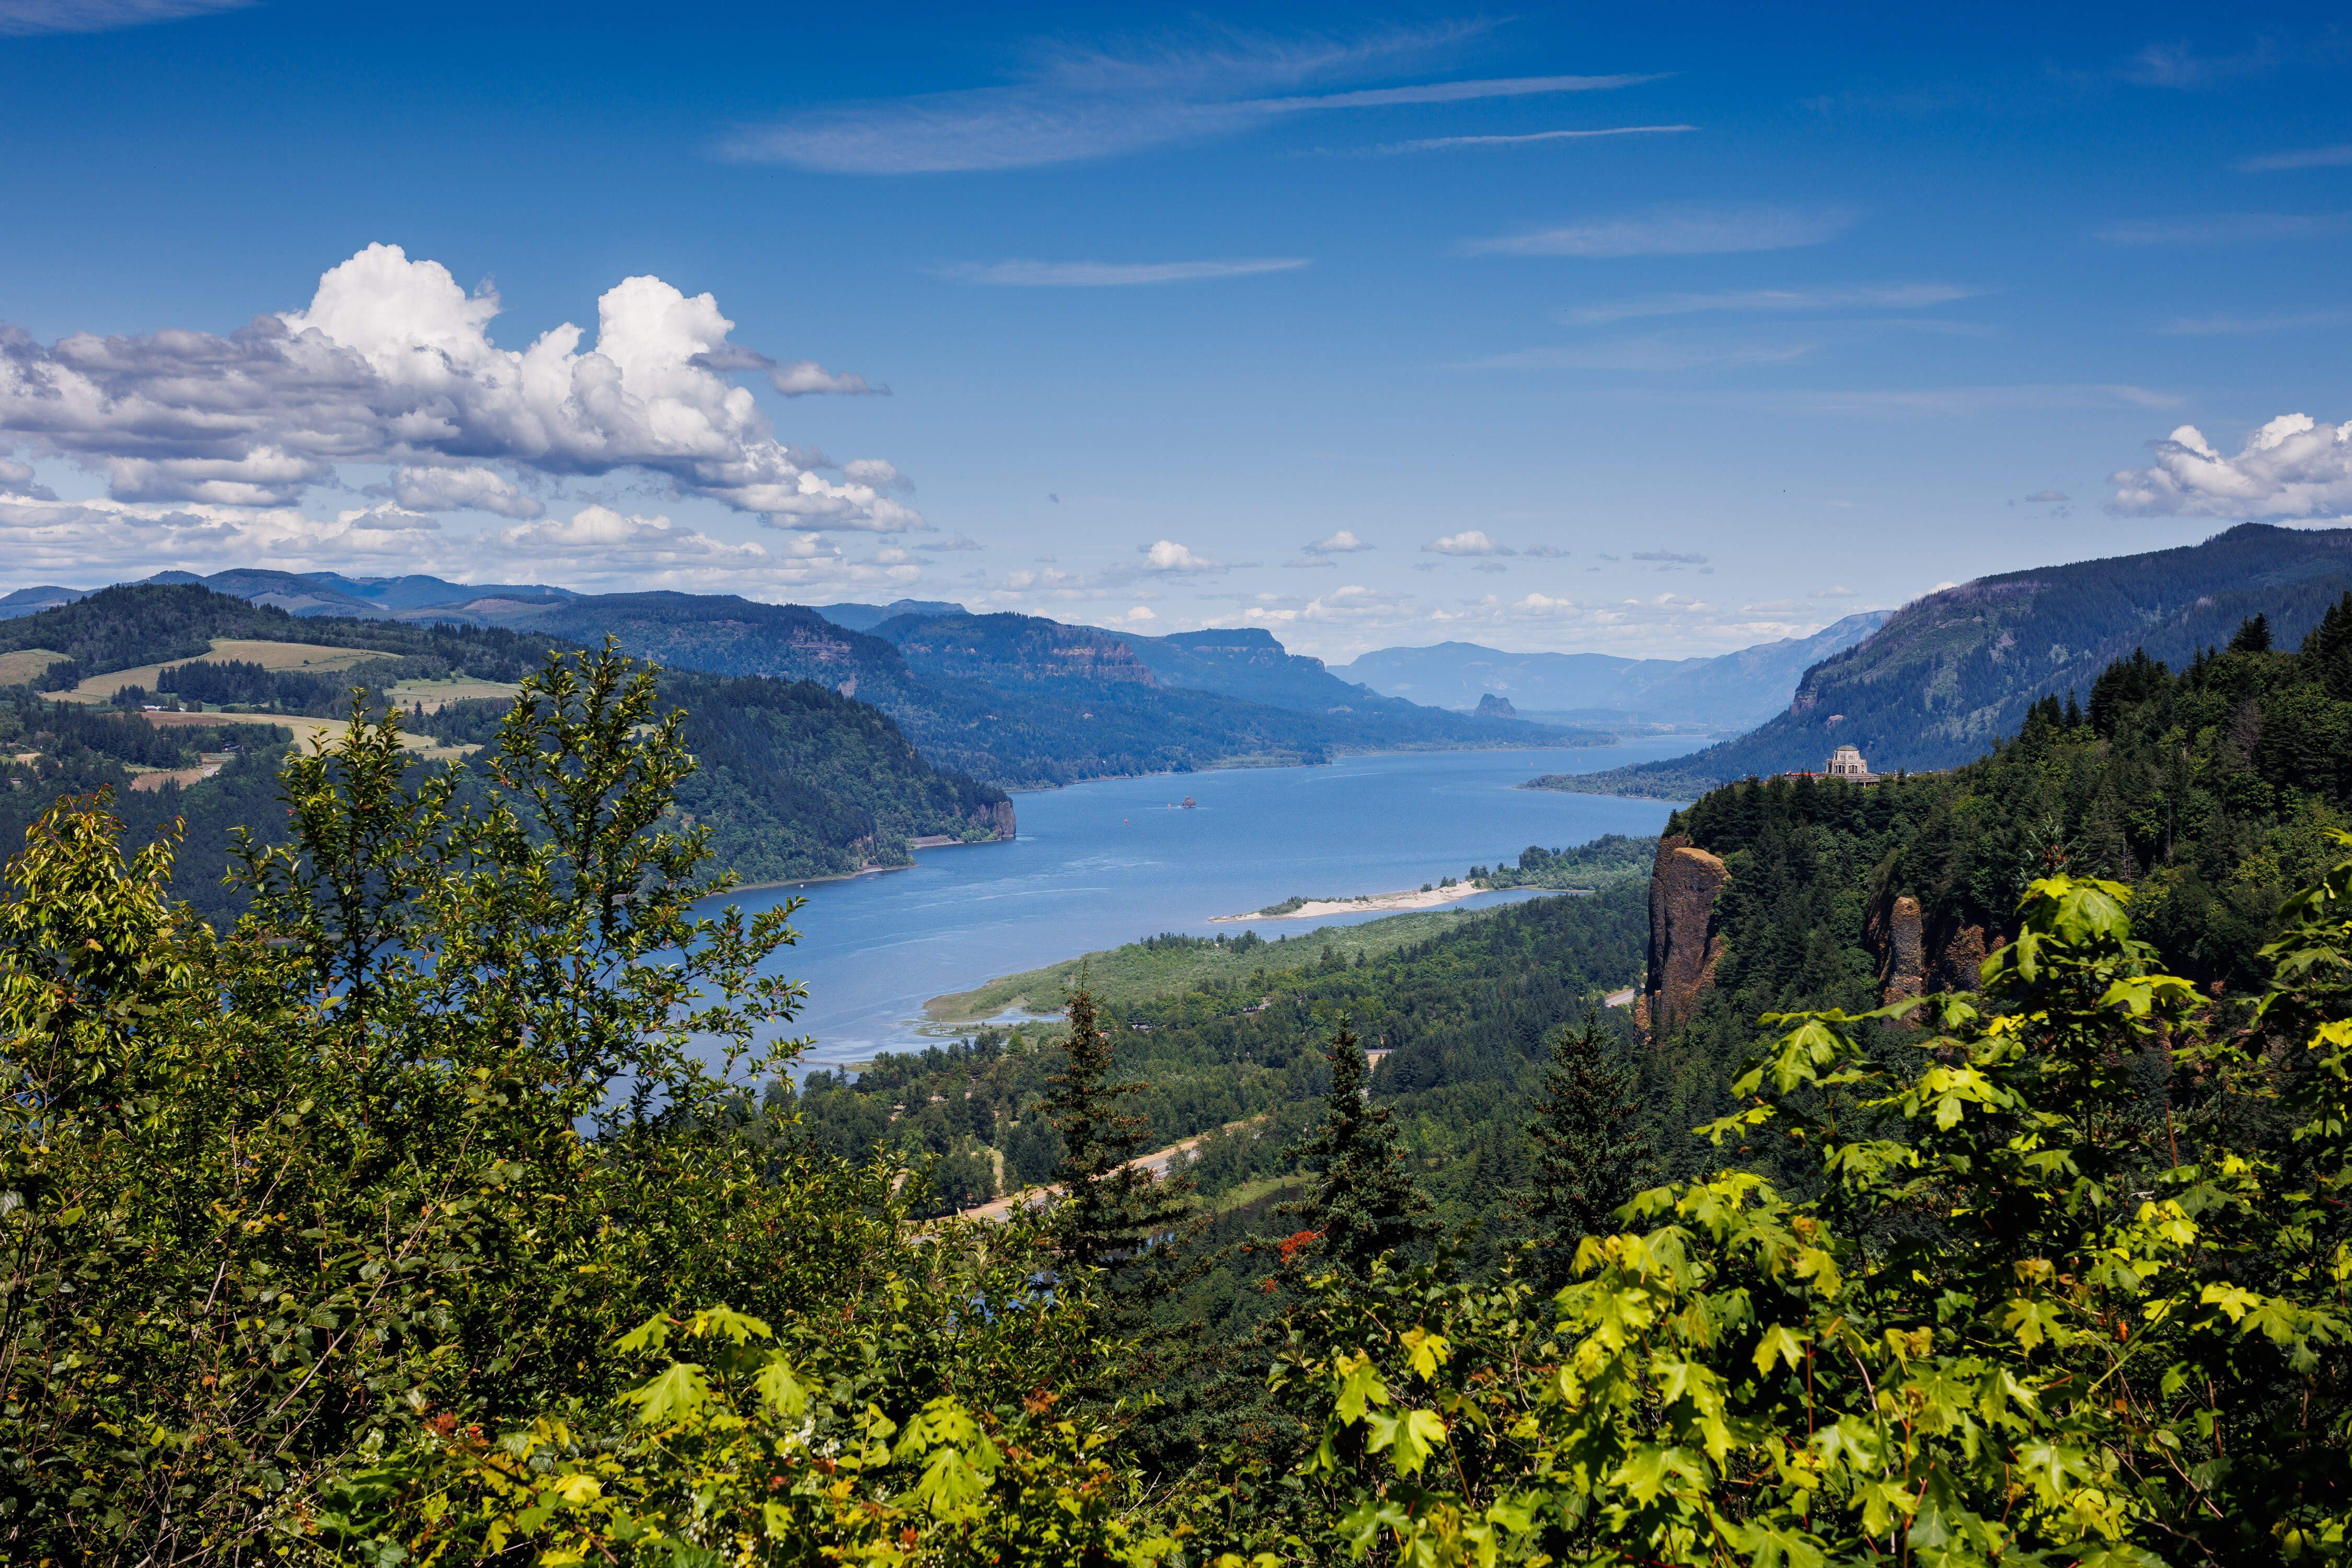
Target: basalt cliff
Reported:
[(1683, 946)]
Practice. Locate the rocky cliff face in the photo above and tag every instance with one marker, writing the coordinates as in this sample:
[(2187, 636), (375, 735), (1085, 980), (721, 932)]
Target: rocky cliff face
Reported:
[(1683, 883), (999, 816), (1898, 933), (1918, 957), (1016, 650), (1959, 962)]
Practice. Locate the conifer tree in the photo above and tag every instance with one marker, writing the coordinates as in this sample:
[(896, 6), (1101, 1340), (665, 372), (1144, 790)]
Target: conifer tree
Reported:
[(1365, 1202), (1590, 1158), (1110, 1208)]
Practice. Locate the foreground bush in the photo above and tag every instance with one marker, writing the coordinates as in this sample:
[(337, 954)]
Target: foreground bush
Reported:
[(465, 1100), (2068, 1288)]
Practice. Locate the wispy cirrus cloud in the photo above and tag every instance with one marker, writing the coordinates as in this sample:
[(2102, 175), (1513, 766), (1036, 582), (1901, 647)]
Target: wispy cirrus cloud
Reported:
[(2217, 326), (2223, 229), (1643, 355), (24, 18), (1780, 302), (1528, 139), (2182, 67), (1111, 274), (1074, 105), (2334, 157), (1677, 230)]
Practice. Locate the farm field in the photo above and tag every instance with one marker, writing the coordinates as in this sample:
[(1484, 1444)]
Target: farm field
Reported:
[(432, 695), (246, 651), (26, 665), (307, 731)]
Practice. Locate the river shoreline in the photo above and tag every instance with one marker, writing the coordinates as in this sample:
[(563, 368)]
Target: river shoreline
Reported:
[(1101, 866), (1369, 903)]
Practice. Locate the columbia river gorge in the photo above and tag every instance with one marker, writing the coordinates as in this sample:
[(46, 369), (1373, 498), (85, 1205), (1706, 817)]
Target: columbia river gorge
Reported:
[(1099, 864)]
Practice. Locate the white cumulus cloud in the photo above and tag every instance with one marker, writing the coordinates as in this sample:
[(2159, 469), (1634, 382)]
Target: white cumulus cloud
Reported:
[(1166, 555), (1340, 543), (2291, 466), (473, 488), (392, 363), (1469, 541), (17, 479)]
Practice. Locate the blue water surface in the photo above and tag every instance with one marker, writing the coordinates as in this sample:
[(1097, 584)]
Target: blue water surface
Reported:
[(1100, 864)]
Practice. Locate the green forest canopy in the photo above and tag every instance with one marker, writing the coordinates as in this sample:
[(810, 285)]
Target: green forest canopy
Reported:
[(414, 1218)]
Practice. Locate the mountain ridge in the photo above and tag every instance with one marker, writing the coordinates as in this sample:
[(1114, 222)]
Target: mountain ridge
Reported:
[(1743, 687), (1956, 669)]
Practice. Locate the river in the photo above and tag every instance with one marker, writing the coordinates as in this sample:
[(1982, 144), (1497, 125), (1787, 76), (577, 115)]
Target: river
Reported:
[(1100, 864)]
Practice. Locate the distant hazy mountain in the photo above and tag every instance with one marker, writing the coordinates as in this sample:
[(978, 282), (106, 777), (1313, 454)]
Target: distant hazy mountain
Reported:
[(1247, 663), (1951, 673), (415, 597), (31, 601), (1021, 700), (866, 617), (1738, 689)]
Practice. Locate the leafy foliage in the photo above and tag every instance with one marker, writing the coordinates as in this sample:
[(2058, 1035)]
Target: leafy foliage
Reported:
[(2006, 1327), (401, 1154)]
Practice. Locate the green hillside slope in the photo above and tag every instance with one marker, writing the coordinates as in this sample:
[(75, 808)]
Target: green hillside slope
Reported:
[(1951, 673), (795, 780), (2209, 792)]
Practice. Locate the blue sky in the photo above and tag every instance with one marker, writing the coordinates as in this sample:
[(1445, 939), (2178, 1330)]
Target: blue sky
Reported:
[(1570, 328)]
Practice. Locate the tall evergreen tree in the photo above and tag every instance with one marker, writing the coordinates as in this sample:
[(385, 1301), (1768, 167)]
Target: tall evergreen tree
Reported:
[(1111, 1208), (1590, 1158), (1365, 1202)]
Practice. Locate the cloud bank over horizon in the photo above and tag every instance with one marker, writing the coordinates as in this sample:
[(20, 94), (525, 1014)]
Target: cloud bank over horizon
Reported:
[(392, 363)]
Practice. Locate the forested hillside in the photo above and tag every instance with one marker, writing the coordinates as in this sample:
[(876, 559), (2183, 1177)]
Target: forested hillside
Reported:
[(798, 781), (1464, 1014), (1951, 673), (119, 628), (2211, 792), (1017, 701)]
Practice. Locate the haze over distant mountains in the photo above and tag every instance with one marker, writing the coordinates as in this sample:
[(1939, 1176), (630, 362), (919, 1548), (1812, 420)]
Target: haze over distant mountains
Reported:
[(1732, 690), (1386, 688), (1950, 674)]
